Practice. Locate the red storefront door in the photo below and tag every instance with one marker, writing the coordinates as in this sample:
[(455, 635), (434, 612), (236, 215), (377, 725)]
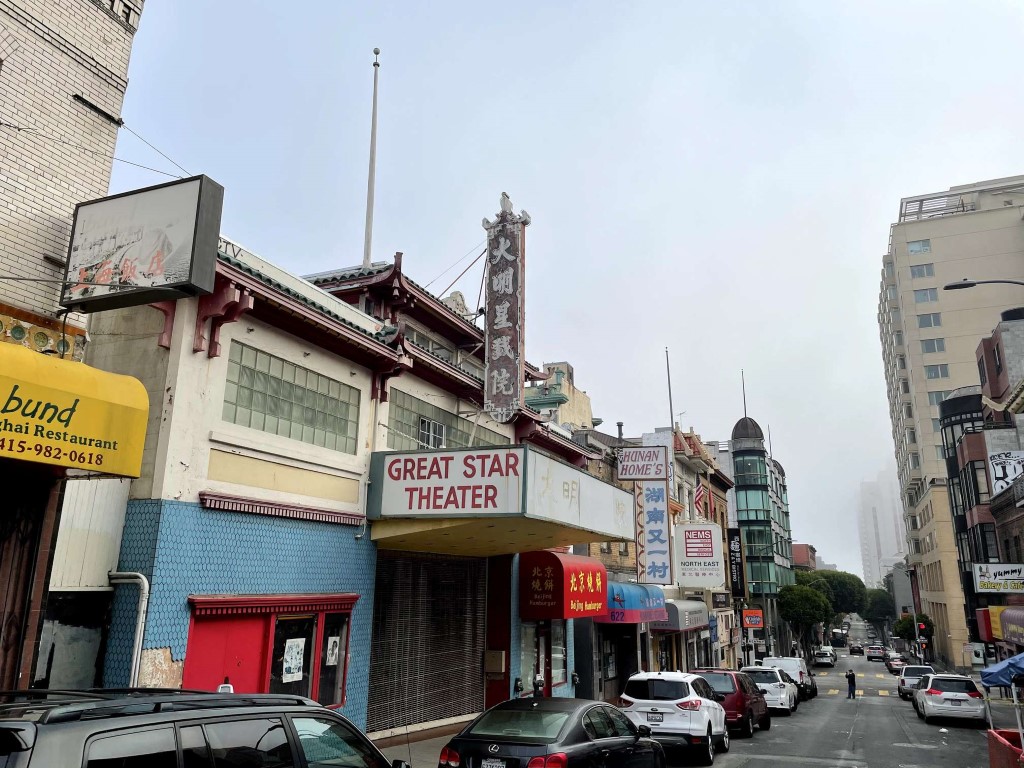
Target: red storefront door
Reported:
[(231, 649)]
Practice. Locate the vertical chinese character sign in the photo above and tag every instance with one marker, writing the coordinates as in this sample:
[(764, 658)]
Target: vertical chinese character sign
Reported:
[(648, 466), (504, 330)]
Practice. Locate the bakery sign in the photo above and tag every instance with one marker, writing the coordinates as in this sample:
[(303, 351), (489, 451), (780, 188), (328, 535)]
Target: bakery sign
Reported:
[(503, 312), (999, 578)]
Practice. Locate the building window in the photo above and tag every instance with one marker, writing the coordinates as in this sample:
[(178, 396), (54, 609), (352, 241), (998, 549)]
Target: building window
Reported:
[(405, 414), (930, 320), (933, 345), (997, 358), (897, 338), (908, 410), (926, 295), (936, 371), (915, 461), (905, 386), (751, 470), (890, 270), (936, 426), (431, 433), (911, 435), (919, 246), (270, 394), (892, 292), (934, 398), (624, 548), (940, 453), (605, 548), (922, 270), (982, 375), (901, 362)]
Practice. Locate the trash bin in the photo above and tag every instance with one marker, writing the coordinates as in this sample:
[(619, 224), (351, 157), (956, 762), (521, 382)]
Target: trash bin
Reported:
[(1004, 749)]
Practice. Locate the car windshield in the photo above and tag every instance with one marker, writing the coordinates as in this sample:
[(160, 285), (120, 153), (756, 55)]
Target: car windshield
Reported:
[(654, 689), (535, 725), (721, 682), (823, 653), (954, 685), (917, 671), (763, 676)]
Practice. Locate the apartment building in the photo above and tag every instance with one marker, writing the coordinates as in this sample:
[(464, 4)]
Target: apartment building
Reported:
[(928, 339)]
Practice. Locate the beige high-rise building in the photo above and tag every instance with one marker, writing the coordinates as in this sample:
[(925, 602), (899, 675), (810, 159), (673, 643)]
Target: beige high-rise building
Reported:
[(929, 337)]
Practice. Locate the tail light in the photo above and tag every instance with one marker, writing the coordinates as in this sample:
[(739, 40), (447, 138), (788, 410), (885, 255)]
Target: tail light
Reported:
[(933, 692), (801, 676), (625, 703), (975, 695), (556, 760), (449, 757), (691, 705)]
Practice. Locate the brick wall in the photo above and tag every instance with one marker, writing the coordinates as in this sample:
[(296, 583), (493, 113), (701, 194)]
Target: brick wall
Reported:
[(185, 550), (49, 52)]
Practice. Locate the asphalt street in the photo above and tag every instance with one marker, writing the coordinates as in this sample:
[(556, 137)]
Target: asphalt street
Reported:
[(876, 730)]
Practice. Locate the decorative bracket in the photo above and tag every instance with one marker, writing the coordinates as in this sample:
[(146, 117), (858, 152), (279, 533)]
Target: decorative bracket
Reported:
[(226, 304), (167, 307)]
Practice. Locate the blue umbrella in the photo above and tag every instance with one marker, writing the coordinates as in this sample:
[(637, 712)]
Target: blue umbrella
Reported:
[(1000, 675)]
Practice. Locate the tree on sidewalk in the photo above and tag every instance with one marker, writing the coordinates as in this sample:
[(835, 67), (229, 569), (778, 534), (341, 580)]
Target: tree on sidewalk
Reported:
[(803, 607), (879, 607), (905, 627)]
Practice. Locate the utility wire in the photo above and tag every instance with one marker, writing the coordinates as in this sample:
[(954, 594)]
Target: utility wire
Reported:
[(34, 132), (453, 266), (165, 157), (474, 261)]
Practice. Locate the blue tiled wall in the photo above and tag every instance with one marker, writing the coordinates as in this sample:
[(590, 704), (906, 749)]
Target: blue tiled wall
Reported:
[(516, 645), (185, 549)]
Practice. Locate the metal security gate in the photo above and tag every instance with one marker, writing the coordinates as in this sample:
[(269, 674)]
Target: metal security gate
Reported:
[(426, 661)]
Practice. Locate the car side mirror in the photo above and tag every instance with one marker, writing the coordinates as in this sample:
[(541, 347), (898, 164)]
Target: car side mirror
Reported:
[(719, 697), (763, 690), (643, 731)]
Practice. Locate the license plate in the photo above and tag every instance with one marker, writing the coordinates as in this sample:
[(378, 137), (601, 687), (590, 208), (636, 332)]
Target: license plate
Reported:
[(652, 717), (956, 702), (492, 762)]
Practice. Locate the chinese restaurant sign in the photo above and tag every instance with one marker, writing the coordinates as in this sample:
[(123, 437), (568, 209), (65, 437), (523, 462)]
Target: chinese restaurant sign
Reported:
[(737, 577), (701, 562), (504, 313), (643, 463), (557, 586), (653, 533), (1004, 578), (753, 618), (67, 414)]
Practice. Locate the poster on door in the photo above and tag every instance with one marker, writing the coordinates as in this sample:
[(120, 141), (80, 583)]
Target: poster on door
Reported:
[(294, 655)]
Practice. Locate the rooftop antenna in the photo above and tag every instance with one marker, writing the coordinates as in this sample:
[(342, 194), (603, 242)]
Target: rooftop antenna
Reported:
[(671, 410), (769, 441), (368, 234), (743, 379)]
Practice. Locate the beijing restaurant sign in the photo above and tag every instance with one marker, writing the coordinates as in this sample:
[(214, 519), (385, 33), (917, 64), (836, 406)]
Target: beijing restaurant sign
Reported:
[(504, 311)]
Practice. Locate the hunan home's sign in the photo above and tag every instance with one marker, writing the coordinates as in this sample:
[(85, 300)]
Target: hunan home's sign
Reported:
[(67, 414)]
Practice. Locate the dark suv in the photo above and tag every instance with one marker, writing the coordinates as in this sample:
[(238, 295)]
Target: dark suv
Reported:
[(168, 728), (744, 703)]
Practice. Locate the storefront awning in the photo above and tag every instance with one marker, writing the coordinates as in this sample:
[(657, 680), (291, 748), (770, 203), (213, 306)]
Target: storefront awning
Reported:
[(683, 615), (1012, 621), (633, 604), (488, 501), (553, 585), (68, 414)]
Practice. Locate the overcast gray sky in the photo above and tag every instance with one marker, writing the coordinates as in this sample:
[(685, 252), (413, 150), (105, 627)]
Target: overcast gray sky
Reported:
[(717, 178)]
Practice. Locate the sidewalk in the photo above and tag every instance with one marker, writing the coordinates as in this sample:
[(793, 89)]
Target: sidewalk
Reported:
[(419, 754)]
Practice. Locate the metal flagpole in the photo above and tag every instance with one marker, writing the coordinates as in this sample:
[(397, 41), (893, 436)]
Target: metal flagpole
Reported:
[(371, 178), (671, 410)]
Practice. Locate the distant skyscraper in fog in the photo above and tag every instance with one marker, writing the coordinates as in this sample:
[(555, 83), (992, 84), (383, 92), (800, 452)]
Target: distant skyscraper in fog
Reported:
[(881, 535)]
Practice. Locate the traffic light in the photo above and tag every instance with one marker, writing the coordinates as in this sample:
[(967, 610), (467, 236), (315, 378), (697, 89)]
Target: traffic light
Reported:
[(920, 625)]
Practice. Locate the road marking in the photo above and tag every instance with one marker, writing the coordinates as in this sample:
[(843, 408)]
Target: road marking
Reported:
[(883, 693), (880, 677), (833, 691), (822, 674), (860, 693), (860, 674)]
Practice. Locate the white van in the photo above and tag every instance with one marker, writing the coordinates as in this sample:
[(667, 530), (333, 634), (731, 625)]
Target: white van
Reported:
[(797, 669)]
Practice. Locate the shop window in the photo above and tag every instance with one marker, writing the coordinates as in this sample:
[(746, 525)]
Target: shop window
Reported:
[(263, 741), (327, 742), (333, 658), (559, 655), (528, 655), (270, 394), (138, 749), (292, 660)]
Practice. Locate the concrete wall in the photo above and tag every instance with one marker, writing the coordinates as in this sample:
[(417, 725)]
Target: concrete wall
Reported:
[(49, 52)]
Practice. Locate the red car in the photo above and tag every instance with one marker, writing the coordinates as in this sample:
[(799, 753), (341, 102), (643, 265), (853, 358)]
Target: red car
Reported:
[(744, 703)]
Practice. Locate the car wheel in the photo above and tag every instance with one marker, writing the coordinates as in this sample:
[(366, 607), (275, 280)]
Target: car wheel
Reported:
[(927, 718), (723, 745), (796, 704), (765, 723), (707, 754), (920, 714), (747, 726)]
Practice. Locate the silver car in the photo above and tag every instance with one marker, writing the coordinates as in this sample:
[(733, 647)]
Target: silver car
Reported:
[(909, 678), (948, 696)]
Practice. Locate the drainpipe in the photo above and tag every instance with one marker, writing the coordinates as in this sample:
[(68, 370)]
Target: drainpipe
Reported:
[(131, 577)]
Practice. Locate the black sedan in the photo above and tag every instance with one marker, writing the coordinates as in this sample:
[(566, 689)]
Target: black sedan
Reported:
[(856, 649), (552, 733)]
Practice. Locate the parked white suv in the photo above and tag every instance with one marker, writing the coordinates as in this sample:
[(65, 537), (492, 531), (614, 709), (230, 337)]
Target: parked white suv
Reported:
[(948, 696), (681, 710), (780, 692), (797, 669)]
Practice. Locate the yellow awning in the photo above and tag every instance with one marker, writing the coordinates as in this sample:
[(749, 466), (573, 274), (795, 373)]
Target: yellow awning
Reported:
[(68, 414)]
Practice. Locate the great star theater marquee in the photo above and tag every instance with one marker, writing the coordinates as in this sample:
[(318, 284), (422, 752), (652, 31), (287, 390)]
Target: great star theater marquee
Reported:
[(490, 501)]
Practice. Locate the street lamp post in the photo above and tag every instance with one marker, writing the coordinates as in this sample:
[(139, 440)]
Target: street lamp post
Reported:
[(959, 285), (908, 571)]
